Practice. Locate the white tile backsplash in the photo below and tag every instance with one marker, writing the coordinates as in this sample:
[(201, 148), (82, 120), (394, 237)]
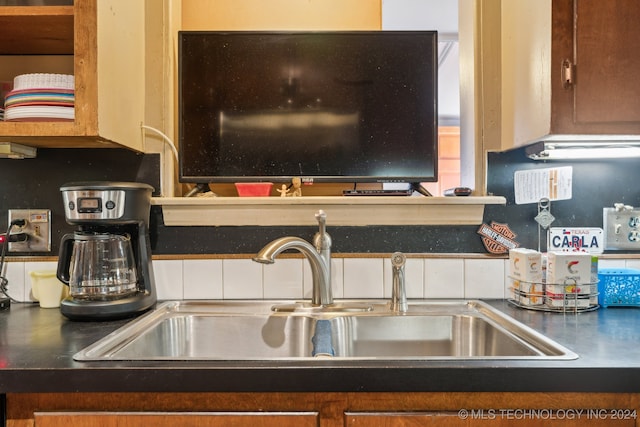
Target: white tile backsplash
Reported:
[(615, 263), (484, 278), (363, 278), (631, 263), (169, 279), (242, 279), (202, 278), (444, 278), (16, 284), (283, 279), (291, 278)]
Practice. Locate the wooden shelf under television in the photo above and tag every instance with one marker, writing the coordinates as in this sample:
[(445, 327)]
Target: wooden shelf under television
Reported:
[(341, 210)]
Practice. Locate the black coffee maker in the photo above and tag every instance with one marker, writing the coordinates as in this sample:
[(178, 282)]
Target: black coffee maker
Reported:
[(107, 262)]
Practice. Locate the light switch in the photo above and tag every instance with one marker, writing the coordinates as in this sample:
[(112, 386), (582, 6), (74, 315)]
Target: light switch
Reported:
[(621, 226)]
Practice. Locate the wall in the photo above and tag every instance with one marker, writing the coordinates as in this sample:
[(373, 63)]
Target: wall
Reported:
[(281, 15), (213, 262), (35, 183), (596, 184)]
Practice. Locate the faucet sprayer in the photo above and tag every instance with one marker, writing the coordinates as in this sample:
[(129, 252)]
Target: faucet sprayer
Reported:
[(398, 291)]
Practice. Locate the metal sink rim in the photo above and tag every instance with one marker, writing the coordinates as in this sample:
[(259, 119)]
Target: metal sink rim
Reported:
[(106, 348)]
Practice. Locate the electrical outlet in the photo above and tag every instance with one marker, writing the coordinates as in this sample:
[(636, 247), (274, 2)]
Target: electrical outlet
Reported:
[(37, 227), (621, 227)]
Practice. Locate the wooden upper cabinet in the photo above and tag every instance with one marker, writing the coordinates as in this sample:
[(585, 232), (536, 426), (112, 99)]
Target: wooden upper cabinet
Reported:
[(599, 40), (36, 30), (592, 43), (103, 44)]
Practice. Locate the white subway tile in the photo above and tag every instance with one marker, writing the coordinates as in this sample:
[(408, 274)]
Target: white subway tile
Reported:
[(283, 279), (444, 278), (413, 278), (363, 278), (612, 263), (484, 278), (508, 293), (337, 277), (242, 279), (291, 278), (16, 283), (168, 277), (630, 263), (202, 278)]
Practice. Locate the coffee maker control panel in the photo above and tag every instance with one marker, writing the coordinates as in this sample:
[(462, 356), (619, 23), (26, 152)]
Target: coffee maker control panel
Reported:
[(94, 204)]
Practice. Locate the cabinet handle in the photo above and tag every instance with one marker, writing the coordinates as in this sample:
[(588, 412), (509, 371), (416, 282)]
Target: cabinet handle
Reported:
[(567, 74)]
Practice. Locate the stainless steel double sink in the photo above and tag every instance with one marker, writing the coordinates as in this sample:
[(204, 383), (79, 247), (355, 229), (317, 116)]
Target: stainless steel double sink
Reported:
[(360, 330)]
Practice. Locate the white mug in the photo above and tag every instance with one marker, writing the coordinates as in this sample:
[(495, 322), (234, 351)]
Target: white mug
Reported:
[(47, 289)]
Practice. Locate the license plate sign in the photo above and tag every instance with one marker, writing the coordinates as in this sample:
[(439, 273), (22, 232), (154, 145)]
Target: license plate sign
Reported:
[(584, 239)]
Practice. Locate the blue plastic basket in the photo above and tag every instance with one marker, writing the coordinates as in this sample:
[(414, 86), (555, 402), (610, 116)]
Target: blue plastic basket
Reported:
[(619, 287)]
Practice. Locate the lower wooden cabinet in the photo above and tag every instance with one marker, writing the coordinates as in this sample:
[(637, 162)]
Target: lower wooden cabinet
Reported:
[(323, 409), (488, 419), (417, 419), (173, 419)]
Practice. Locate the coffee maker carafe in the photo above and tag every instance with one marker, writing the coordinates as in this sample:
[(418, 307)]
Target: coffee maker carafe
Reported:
[(107, 262)]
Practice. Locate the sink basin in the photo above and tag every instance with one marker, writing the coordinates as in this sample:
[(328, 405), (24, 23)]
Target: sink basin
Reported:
[(453, 336), (252, 330)]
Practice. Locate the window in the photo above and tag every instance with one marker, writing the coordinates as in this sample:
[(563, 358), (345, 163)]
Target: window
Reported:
[(443, 17)]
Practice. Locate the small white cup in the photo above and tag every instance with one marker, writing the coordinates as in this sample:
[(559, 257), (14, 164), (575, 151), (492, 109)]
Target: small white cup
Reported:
[(47, 289)]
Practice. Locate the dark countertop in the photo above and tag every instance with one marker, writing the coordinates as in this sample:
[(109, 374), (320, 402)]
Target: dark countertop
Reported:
[(37, 348)]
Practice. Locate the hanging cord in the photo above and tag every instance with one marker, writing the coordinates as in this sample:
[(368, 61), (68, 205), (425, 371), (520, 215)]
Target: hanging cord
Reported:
[(165, 138), (3, 280), (168, 142)]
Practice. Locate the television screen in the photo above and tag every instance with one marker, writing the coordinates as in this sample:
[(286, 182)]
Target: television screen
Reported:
[(323, 106)]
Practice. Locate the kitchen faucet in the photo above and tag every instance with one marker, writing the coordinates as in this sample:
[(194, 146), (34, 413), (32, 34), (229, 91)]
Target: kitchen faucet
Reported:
[(319, 258)]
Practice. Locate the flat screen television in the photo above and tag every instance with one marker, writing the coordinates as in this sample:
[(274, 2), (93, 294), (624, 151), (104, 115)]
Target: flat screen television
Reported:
[(329, 106)]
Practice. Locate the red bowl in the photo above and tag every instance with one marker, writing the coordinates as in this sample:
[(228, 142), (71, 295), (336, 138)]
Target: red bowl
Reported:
[(254, 189)]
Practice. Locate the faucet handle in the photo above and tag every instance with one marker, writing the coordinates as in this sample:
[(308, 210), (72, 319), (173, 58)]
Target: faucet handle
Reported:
[(322, 240), (321, 217)]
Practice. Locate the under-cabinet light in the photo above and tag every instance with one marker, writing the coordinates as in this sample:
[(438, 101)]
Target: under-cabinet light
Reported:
[(564, 150), (11, 150)]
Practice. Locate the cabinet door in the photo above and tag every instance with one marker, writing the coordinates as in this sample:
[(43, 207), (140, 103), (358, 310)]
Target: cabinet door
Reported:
[(408, 419), (487, 419), (601, 39), (172, 419)]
